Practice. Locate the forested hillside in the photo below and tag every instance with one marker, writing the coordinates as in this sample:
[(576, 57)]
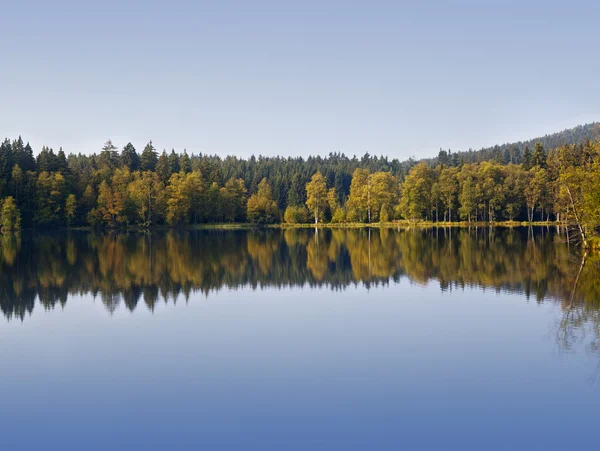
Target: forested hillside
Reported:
[(124, 187), (518, 151)]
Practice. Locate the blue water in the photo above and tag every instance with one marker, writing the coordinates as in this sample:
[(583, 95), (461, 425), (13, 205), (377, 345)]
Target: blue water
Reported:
[(398, 366)]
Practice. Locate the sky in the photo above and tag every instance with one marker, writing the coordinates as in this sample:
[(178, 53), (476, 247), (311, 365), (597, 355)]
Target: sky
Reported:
[(302, 78)]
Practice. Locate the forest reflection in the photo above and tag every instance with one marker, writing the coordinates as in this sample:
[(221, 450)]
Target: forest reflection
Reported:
[(129, 268)]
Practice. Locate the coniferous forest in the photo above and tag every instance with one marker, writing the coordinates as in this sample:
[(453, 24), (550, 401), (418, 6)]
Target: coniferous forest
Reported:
[(121, 187)]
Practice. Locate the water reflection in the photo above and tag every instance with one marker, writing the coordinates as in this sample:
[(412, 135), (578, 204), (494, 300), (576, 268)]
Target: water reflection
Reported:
[(125, 268)]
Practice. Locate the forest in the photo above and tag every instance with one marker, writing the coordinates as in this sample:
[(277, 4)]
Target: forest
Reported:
[(119, 188)]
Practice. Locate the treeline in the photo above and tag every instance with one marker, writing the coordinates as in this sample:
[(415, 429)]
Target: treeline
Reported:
[(129, 269), (518, 152), (118, 188)]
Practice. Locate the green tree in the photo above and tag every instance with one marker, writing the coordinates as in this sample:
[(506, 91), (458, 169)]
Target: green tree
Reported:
[(513, 188), (382, 195), (130, 158), (70, 209), (184, 162), (357, 206), (179, 203), (467, 198), (109, 156), (261, 208), (149, 196), (297, 194), (492, 193), (149, 158), (316, 196), (50, 198), (163, 168), (233, 200), (416, 192), (295, 214), (537, 181), (174, 165), (448, 186), (539, 156), (11, 216), (527, 159)]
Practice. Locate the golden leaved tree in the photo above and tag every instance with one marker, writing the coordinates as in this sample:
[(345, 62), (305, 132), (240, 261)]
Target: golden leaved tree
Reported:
[(316, 196)]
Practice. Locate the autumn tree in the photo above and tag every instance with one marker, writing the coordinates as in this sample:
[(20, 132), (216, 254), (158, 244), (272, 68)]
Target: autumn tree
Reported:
[(513, 188), (70, 208), (316, 196), (416, 192), (448, 186), (296, 214), (261, 208), (357, 206), (233, 200), (149, 196), (535, 188), (382, 196), (11, 216)]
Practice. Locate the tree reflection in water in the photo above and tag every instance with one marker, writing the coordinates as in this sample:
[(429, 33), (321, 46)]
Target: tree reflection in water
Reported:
[(125, 268)]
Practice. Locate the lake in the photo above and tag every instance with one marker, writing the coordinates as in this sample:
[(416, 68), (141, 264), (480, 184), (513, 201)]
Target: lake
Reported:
[(296, 339)]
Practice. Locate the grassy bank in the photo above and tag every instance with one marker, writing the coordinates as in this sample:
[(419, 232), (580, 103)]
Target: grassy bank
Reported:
[(403, 224), (418, 224)]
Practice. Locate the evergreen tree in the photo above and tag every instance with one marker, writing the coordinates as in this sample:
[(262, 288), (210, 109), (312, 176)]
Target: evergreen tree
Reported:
[(162, 167), (184, 162), (527, 159), (149, 158), (174, 165), (130, 158), (539, 156), (109, 156), (61, 162)]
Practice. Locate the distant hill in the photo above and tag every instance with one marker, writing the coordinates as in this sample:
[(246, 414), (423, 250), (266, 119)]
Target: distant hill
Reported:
[(512, 152)]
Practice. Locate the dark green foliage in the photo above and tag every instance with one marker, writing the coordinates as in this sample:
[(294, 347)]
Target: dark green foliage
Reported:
[(162, 167), (574, 136), (174, 165), (42, 196), (539, 156), (527, 159), (184, 162), (130, 158), (149, 158)]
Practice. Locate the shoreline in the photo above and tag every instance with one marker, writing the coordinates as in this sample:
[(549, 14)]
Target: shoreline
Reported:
[(403, 224), (420, 224)]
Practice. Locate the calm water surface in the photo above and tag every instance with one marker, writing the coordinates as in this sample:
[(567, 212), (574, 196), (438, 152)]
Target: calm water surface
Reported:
[(343, 339)]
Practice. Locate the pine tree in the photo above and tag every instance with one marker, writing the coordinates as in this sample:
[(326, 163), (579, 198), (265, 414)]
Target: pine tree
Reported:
[(162, 167), (130, 158), (527, 159), (185, 164), (539, 156), (109, 156), (174, 165), (149, 158)]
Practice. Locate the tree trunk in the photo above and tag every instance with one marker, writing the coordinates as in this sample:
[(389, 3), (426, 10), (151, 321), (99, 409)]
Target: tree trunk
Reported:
[(577, 219)]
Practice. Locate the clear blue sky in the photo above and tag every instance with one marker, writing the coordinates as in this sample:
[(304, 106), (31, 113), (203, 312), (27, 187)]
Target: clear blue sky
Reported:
[(297, 78)]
